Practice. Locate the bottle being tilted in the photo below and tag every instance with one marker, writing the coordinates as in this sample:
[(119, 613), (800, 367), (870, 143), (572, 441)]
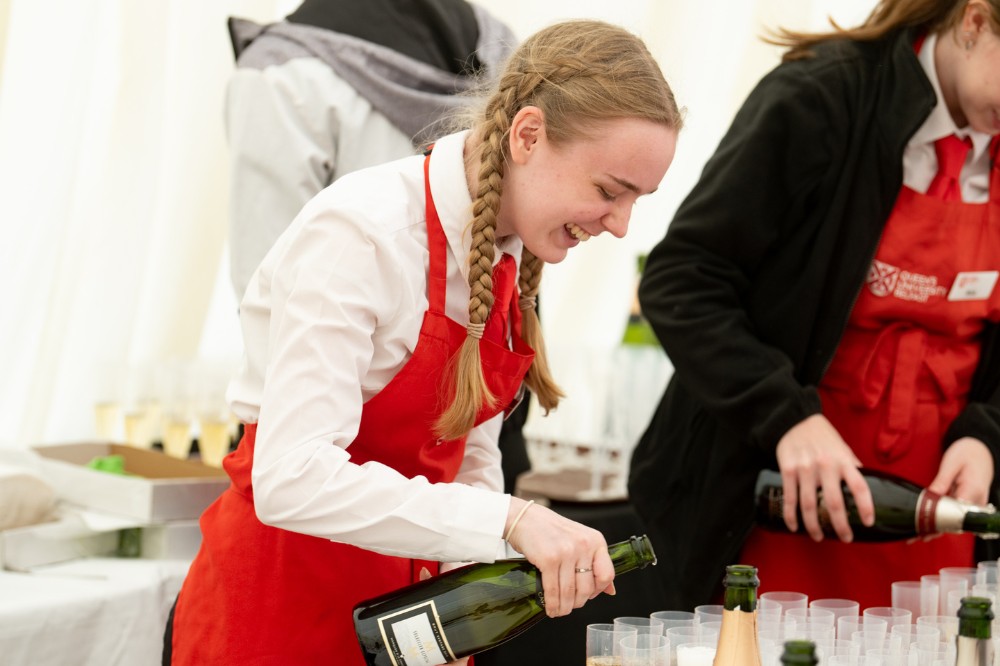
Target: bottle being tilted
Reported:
[(799, 653), (738, 635), (902, 510), (973, 645), (466, 610)]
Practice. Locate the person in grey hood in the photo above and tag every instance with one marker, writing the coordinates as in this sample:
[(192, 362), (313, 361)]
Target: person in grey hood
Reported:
[(336, 87)]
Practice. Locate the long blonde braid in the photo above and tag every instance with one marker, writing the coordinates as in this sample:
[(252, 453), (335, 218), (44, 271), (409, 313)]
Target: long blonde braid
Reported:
[(578, 73)]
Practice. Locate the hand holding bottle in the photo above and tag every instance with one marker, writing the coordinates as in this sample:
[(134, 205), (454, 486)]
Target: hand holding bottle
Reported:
[(812, 455), (966, 471), (572, 558)]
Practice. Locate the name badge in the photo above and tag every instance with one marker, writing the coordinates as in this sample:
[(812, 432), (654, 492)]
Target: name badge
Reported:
[(973, 286)]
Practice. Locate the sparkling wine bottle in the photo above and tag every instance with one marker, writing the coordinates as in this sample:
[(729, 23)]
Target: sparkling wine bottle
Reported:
[(902, 510), (973, 646), (799, 653), (466, 610), (737, 644)]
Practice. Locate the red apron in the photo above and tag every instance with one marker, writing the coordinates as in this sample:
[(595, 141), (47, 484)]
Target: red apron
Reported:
[(900, 376), (261, 595)]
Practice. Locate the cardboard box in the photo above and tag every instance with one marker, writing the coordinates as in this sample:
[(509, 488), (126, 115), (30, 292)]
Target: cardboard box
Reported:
[(162, 488)]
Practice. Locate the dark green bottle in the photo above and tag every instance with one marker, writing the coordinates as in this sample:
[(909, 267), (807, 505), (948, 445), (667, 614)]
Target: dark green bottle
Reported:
[(973, 645), (902, 510), (737, 644), (465, 611), (799, 653), (637, 329)]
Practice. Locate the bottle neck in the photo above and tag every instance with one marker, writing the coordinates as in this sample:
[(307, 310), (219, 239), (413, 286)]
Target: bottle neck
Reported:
[(740, 583), (937, 513), (986, 525), (740, 597), (799, 653), (634, 553)]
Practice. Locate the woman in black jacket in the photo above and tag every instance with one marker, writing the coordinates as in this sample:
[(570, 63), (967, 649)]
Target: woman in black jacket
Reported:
[(804, 292)]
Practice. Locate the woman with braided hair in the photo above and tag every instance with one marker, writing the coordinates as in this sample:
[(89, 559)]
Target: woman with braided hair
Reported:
[(386, 334)]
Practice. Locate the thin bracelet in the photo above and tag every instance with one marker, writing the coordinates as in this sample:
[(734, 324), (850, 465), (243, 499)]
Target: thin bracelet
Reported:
[(517, 518)]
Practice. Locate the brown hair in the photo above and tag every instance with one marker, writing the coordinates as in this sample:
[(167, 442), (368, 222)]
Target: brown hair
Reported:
[(888, 16), (579, 73)]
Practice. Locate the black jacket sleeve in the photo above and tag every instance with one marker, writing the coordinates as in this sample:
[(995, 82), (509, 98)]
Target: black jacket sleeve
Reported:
[(700, 280)]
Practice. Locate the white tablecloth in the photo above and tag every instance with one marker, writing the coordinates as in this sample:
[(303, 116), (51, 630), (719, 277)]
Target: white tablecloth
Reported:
[(91, 612)]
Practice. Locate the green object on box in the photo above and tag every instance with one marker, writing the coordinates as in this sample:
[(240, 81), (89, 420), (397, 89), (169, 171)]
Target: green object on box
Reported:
[(130, 538), (113, 464)]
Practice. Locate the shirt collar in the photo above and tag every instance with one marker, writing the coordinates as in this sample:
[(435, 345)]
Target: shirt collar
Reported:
[(454, 204), (940, 123)]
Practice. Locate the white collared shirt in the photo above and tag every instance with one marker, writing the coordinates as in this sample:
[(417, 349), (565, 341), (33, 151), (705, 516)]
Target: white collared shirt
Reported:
[(331, 315), (920, 160)]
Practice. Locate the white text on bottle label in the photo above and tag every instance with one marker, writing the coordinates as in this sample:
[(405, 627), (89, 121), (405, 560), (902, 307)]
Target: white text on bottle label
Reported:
[(413, 636)]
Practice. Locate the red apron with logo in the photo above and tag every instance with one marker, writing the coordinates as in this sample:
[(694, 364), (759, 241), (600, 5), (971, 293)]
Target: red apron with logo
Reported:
[(900, 376), (259, 595)]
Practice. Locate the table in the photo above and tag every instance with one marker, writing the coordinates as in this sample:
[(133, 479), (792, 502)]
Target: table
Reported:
[(89, 612)]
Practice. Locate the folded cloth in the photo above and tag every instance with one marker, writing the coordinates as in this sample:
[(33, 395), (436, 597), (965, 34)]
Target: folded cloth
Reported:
[(25, 499)]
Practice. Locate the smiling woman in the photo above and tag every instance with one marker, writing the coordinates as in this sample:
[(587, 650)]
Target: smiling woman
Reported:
[(386, 335)]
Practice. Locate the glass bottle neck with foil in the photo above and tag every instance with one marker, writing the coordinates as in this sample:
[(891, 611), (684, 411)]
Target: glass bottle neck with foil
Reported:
[(940, 513)]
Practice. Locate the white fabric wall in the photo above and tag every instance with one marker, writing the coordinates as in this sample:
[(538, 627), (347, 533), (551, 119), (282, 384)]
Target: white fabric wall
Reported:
[(113, 181)]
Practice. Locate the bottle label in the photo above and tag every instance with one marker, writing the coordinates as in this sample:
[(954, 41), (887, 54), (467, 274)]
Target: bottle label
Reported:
[(414, 637)]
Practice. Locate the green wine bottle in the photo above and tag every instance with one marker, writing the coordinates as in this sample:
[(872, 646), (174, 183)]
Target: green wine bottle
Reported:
[(737, 644), (799, 653), (637, 328), (902, 510), (973, 646), (466, 610)]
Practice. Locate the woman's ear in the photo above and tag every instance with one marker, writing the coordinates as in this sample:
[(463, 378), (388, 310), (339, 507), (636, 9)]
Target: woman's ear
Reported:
[(526, 131)]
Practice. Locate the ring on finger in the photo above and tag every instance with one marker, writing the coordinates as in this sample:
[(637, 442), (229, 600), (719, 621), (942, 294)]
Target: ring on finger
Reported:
[(583, 569)]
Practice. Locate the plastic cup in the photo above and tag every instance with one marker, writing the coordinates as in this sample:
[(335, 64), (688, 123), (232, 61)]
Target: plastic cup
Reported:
[(946, 624), (785, 600), (839, 607), (930, 594), (698, 652), (917, 634), (890, 614), (870, 639), (645, 650), (957, 580), (642, 625), (708, 613), (889, 656), (604, 643), (853, 660), (674, 618), (906, 595), (847, 626), (835, 647), (938, 655)]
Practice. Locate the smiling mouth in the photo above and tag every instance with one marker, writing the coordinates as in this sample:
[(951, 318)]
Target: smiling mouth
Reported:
[(577, 232)]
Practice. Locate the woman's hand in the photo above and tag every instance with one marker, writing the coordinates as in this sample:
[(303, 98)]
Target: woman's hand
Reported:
[(966, 471), (813, 455), (559, 547)]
